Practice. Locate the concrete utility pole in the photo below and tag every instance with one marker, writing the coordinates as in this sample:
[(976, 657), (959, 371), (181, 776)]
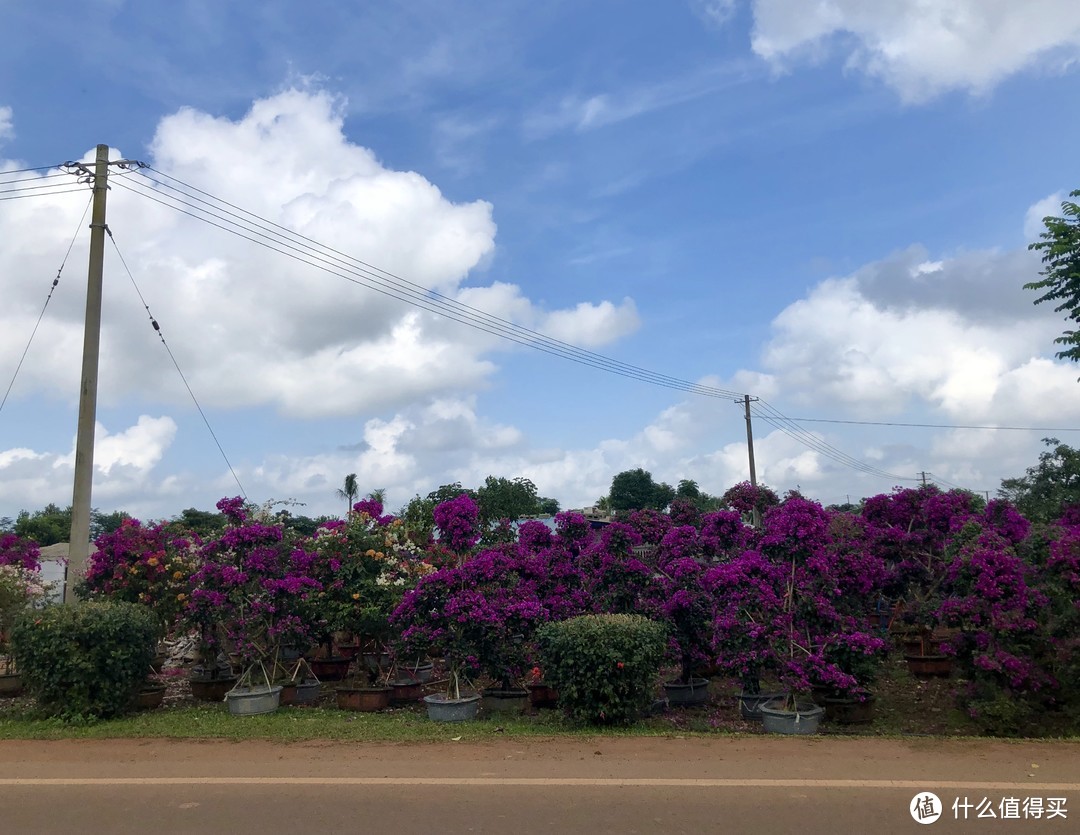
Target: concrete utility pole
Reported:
[(79, 543), (747, 400)]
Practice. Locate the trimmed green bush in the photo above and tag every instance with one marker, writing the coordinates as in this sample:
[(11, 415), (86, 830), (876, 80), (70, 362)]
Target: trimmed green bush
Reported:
[(86, 661), (605, 667)]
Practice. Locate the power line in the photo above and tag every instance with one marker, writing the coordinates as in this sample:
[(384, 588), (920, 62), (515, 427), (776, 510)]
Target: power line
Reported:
[(161, 336), (48, 298), (424, 298), (273, 236), (31, 179), (784, 424), (45, 194), (934, 425), (24, 170)]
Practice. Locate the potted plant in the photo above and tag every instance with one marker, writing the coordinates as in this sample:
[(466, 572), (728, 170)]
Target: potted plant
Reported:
[(477, 615), (827, 572), (747, 594), (687, 606), (251, 593)]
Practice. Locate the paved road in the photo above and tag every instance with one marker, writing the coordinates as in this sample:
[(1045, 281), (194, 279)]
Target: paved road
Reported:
[(759, 785)]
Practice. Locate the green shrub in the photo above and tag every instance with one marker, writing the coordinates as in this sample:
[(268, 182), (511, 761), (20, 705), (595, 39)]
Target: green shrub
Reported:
[(605, 667), (85, 661)]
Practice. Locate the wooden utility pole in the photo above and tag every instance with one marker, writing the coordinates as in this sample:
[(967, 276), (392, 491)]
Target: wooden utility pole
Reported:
[(79, 543)]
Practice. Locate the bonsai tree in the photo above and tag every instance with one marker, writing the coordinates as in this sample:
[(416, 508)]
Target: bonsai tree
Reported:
[(682, 600), (251, 590), (478, 615), (364, 566)]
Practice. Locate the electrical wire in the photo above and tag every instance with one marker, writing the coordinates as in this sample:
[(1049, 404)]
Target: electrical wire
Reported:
[(935, 425), (48, 298), (404, 285), (45, 194), (428, 300), (777, 419), (32, 179), (161, 336), (945, 483), (24, 170), (273, 236)]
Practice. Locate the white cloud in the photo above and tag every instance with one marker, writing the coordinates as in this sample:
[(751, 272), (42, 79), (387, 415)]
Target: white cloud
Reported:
[(923, 48), (1033, 219), (250, 327), (140, 446), (590, 325), (962, 340), (124, 469), (714, 12), (7, 124)]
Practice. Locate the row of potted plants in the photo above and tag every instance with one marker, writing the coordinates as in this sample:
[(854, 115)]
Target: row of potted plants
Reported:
[(793, 600)]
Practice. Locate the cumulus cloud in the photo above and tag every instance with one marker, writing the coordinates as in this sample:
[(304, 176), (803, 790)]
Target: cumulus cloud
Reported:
[(1049, 206), (125, 465), (251, 327), (962, 339), (922, 49)]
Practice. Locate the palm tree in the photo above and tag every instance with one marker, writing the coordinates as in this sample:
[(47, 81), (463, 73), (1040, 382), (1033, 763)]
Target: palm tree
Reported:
[(349, 491)]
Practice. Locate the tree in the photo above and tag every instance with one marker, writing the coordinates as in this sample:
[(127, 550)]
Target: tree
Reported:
[(1049, 487), (52, 524), (635, 489), (47, 526), (205, 523), (688, 489), (503, 498), (1060, 248), (547, 507), (349, 491)]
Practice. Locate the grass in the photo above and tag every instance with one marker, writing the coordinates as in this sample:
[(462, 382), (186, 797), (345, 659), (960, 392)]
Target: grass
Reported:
[(906, 707), (406, 725)]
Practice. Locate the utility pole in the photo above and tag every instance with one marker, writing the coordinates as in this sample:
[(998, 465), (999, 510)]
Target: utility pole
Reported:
[(747, 400), (79, 543), (923, 477)]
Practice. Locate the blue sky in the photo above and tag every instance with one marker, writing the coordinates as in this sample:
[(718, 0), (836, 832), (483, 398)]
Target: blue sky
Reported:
[(827, 207)]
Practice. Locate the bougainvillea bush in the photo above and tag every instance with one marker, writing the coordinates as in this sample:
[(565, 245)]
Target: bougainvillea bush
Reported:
[(143, 564), (363, 565), (251, 590), (480, 616), (792, 606), (21, 589)]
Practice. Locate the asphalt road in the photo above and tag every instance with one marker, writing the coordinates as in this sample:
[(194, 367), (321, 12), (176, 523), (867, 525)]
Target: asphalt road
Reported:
[(759, 785)]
